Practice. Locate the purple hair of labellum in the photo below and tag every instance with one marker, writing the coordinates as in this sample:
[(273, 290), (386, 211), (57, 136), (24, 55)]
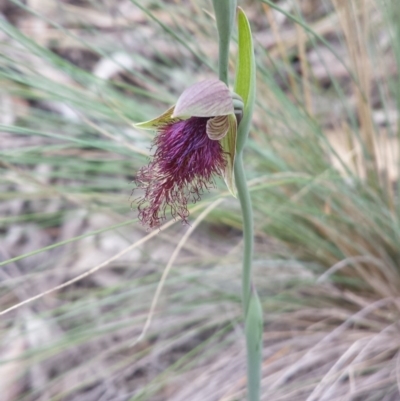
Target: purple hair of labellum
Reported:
[(196, 140), (181, 169)]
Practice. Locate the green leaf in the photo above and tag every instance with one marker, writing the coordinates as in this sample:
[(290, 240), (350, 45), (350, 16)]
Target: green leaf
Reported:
[(245, 82)]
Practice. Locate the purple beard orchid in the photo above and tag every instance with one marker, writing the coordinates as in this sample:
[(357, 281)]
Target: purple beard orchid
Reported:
[(196, 140)]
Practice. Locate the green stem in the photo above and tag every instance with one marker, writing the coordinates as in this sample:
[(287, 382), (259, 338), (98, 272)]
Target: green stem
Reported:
[(251, 303), (225, 11), (247, 213)]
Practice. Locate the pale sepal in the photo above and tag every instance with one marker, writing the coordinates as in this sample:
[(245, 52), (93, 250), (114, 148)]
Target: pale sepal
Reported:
[(228, 143), (217, 127), (208, 98), (160, 121)]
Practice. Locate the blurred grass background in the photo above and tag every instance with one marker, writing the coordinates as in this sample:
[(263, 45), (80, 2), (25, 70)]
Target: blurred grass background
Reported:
[(322, 165)]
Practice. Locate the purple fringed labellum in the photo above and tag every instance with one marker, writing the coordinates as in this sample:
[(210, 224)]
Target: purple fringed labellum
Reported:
[(182, 167)]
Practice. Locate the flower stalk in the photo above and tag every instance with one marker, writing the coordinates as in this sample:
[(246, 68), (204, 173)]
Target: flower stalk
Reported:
[(245, 89), (225, 11)]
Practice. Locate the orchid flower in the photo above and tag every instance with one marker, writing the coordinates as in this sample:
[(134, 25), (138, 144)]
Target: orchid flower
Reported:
[(196, 140), (203, 136)]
